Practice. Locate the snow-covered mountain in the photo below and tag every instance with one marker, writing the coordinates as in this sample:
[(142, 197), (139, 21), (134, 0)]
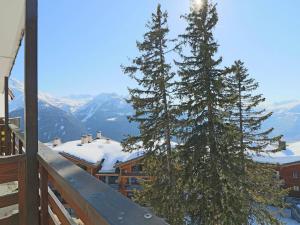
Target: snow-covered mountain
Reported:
[(55, 114), (54, 122), (285, 119), (68, 104), (108, 113), (73, 116)]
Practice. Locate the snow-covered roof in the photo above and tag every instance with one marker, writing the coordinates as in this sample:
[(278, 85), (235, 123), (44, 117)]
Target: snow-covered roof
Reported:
[(290, 155), (12, 14), (96, 151)]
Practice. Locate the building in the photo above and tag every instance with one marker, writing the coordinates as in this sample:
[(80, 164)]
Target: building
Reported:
[(105, 159), (126, 176), (287, 163)]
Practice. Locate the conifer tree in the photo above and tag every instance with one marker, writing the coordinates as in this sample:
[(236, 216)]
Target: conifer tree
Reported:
[(262, 187), (154, 113), (208, 154)]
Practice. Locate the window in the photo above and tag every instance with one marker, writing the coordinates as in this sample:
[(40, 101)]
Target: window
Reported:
[(134, 181), (136, 168), (296, 174), (112, 180), (296, 188)]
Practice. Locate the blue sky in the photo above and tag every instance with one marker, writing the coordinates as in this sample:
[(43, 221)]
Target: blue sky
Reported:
[(83, 43)]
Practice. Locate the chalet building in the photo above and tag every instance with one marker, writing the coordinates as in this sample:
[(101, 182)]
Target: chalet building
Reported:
[(34, 167), (287, 163), (126, 176), (104, 158)]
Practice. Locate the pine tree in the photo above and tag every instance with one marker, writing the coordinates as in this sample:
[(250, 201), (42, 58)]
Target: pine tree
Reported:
[(154, 112), (260, 184), (208, 154)]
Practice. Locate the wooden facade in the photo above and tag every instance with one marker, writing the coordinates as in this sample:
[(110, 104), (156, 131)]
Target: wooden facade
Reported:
[(290, 173), (127, 176)]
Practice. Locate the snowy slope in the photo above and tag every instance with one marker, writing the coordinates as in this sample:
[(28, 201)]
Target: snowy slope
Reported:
[(69, 104), (108, 113), (105, 112), (286, 119), (54, 122)]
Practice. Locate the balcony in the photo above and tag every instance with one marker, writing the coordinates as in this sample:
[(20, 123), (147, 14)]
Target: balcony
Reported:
[(92, 201), (45, 182), (137, 174)]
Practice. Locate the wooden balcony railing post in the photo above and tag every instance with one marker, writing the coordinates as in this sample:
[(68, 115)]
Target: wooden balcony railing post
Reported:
[(31, 112), (13, 143), (22, 191), (6, 120), (20, 146), (44, 196)]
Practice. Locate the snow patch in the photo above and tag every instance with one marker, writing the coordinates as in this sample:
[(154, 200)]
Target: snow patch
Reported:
[(112, 119), (110, 151)]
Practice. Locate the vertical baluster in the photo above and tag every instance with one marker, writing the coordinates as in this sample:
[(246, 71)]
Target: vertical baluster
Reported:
[(22, 191), (20, 145), (13, 143), (44, 196)]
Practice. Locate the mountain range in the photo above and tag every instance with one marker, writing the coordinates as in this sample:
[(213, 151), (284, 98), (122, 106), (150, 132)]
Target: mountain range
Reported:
[(72, 116)]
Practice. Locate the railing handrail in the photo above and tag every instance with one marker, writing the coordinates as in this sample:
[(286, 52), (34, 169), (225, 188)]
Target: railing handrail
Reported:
[(94, 202)]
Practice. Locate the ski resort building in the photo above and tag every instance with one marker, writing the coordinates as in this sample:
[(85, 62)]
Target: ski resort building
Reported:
[(105, 159), (287, 164), (34, 168)]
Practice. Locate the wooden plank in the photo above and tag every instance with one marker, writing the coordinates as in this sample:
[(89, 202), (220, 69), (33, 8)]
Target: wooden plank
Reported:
[(22, 190), (44, 196), (13, 143), (52, 218), (8, 172), (31, 112), (8, 200), (20, 146), (10, 220), (94, 202), (43, 199), (11, 159), (59, 210)]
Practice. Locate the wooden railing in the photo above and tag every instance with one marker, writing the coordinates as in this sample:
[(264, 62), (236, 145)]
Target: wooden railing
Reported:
[(62, 183), (12, 169), (134, 174), (10, 147)]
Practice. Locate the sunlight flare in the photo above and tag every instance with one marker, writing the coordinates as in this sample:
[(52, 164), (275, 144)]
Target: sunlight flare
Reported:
[(196, 5)]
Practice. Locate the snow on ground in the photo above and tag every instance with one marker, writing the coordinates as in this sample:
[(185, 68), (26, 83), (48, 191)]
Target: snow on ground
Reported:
[(8, 188), (284, 216), (97, 150)]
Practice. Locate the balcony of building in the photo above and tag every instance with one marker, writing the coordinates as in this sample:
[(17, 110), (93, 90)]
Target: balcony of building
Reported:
[(47, 188)]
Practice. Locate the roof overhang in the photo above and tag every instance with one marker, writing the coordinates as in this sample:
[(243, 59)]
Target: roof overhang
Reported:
[(12, 23)]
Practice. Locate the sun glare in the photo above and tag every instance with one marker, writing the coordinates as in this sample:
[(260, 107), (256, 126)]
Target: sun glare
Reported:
[(196, 4)]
